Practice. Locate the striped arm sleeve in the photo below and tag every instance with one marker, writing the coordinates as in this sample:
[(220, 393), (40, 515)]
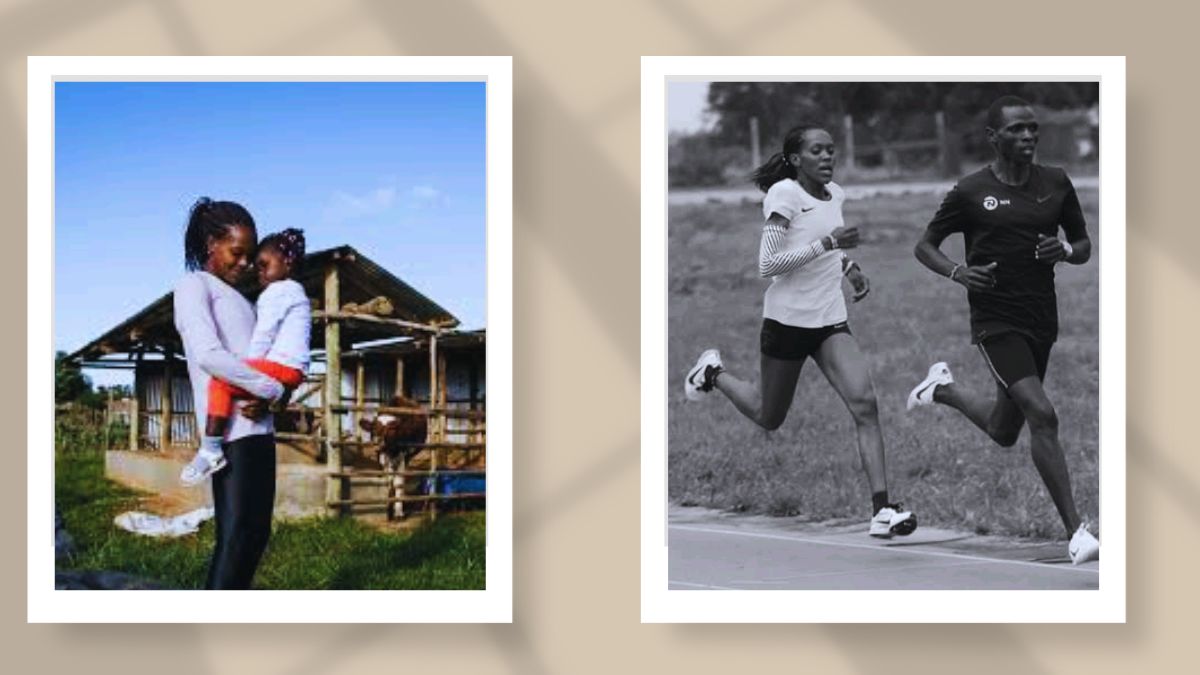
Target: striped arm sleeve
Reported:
[(772, 263)]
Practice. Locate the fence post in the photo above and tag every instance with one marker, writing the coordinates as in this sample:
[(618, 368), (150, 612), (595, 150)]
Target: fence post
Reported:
[(134, 413), (755, 150), (333, 384), (947, 156), (434, 425), (400, 377), (359, 386), (848, 135), (107, 420), (164, 431)]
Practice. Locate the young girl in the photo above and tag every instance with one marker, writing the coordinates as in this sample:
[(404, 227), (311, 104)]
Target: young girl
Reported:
[(804, 313), (278, 346)]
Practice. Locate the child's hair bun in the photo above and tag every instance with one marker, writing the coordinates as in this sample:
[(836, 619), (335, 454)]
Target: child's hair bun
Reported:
[(290, 243)]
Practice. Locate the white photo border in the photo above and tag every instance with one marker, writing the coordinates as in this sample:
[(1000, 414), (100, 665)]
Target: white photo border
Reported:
[(660, 604), (492, 605)]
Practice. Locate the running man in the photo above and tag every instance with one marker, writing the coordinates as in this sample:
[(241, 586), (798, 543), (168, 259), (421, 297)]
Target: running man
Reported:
[(1009, 214)]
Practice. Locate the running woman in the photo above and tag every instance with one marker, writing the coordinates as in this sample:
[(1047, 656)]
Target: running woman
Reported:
[(278, 346), (804, 311), (1009, 214)]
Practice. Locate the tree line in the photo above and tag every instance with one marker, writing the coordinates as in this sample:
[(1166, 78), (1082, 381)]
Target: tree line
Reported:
[(882, 113), (72, 386), (887, 108)]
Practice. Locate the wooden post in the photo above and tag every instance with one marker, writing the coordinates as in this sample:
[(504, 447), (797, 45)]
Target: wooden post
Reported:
[(333, 385), (442, 397), (397, 488), (107, 420), (359, 377), (164, 432), (847, 158), (443, 420), (434, 429), (133, 407), (944, 152), (402, 463), (755, 150), (473, 423)]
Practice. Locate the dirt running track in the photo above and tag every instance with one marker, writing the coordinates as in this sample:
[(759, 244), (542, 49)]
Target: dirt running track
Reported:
[(714, 550)]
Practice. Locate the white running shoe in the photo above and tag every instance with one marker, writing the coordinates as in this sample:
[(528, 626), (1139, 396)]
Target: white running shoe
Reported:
[(700, 378), (891, 520), (1083, 546), (922, 394)]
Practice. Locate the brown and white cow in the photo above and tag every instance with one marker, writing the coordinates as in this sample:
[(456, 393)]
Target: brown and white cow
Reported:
[(395, 432)]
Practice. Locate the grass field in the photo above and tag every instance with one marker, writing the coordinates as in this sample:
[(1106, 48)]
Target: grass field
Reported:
[(939, 465), (309, 554)]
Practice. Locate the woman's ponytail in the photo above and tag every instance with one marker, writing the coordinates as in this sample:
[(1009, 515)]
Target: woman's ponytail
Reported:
[(778, 167), (774, 170)]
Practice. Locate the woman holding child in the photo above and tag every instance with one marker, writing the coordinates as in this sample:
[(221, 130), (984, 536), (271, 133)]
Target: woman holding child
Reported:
[(233, 397)]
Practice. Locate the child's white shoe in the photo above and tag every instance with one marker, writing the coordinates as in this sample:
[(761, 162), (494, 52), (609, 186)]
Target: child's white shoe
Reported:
[(202, 466)]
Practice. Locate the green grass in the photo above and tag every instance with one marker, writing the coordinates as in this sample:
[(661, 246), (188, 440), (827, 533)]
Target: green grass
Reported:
[(938, 463), (312, 554)]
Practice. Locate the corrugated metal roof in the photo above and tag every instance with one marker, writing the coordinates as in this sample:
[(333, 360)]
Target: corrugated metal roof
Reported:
[(359, 278), (447, 342)]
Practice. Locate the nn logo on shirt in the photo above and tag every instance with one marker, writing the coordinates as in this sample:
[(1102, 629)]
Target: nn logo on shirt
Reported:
[(990, 203)]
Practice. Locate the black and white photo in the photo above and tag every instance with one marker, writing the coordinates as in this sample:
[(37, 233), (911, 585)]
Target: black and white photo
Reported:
[(929, 238)]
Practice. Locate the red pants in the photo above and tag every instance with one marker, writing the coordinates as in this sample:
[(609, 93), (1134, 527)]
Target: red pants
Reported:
[(221, 393)]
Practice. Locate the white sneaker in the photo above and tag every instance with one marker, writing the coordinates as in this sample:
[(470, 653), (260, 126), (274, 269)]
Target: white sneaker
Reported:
[(922, 394), (700, 378), (202, 466), (1083, 546), (892, 520)]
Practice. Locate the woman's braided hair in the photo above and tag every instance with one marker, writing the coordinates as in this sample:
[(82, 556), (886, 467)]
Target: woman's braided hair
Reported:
[(210, 220)]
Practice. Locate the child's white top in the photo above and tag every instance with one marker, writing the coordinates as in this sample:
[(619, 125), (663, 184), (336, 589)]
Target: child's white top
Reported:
[(809, 296), (215, 322), (284, 325)]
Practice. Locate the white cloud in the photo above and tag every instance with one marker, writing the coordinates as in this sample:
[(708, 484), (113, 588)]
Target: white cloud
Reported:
[(427, 195), (373, 202), (345, 206), (425, 192)]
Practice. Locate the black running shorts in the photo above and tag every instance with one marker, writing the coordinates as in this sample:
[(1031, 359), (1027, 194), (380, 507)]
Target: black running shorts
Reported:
[(1013, 356), (792, 343)]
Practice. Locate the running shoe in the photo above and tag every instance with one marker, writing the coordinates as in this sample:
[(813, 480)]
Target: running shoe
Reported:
[(922, 394), (701, 377), (202, 466), (892, 519), (1083, 546)]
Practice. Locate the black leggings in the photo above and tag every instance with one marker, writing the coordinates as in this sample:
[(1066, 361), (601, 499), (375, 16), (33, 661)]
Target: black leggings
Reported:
[(243, 498)]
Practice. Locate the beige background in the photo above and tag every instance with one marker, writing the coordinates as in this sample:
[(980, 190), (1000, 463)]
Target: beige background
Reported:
[(576, 73)]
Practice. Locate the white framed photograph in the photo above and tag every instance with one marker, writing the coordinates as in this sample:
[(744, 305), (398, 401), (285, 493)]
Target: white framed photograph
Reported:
[(883, 339), (278, 292)]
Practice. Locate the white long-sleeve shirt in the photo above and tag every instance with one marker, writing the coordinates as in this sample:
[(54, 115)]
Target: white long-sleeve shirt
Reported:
[(284, 325), (215, 322)]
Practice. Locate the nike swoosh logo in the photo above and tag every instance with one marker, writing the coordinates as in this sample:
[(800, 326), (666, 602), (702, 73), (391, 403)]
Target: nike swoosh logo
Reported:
[(804, 210), (1074, 552), (1041, 200)]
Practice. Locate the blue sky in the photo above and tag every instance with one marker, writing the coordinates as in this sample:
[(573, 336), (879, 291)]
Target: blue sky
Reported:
[(396, 170)]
